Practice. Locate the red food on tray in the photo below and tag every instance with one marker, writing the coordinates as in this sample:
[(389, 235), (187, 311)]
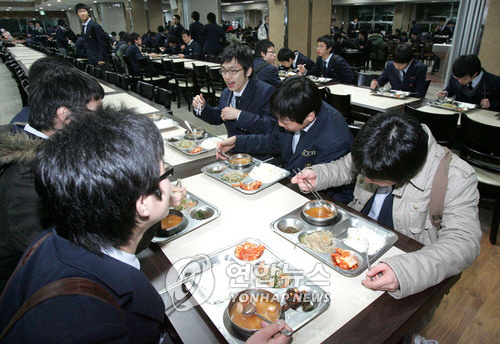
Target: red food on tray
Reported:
[(249, 251), (344, 259)]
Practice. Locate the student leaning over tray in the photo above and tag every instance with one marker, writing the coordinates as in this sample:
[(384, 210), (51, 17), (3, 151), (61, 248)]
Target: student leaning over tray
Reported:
[(104, 179), (393, 162)]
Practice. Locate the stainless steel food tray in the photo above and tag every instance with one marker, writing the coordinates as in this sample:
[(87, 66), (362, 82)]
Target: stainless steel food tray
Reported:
[(198, 142), (392, 94), (217, 311), (192, 223), (343, 221), (458, 106), (208, 170)]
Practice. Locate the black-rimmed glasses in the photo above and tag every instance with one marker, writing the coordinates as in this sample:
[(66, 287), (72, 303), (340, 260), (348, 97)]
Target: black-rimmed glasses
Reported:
[(230, 71), (169, 170)]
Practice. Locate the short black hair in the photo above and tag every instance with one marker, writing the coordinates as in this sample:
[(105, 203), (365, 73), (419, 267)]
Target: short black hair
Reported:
[(337, 35), (81, 6), (364, 32), (60, 22), (398, 31), (133, 37), (327, 40), (187, 32), (113, 33), (390, 147), (45, 64), (177, 16), (211, 17), (295, 98), (262, 46), (91, 174), (195, 15), (241, 53), (64, 86), (172, 39), (403, 53), (466, 65), (160, 28), (285, 54), (414, 22), (442, 19)]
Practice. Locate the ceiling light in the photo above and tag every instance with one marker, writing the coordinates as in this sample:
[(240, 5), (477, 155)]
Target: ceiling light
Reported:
[(49, 5)]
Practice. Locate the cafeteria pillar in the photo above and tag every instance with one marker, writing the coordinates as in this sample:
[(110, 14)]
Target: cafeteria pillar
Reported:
[(139, 21), (155, 14)]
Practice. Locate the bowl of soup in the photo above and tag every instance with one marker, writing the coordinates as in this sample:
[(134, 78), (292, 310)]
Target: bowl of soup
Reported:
[(267, 304), (320, 213), (196, 134), (173, 223), (240, 160)]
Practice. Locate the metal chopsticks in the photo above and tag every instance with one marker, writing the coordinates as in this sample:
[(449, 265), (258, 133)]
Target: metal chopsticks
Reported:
[(311, 188)]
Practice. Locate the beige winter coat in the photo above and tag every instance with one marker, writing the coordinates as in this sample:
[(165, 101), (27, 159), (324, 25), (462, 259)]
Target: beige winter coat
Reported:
[(446, 252)]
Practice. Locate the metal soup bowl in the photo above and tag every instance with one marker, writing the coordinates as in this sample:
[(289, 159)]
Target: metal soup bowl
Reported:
[(233, 164), (319, 221), (165, 232), (246, 295), (195, 135)]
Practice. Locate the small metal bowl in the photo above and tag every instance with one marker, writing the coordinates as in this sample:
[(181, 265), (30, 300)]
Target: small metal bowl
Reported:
[(319, 221), (290, 226), (209, 212), (197, 134), (232, 162), (155, 117), (216, 168), (246, 295), (165, 232)]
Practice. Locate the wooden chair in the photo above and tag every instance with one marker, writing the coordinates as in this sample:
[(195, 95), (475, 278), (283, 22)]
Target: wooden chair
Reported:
[(481, 151), (163, 97), (365, 79), (145, 90), (442, 126)]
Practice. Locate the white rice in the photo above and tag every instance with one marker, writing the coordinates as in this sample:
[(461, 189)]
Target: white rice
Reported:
[(210, 143), (359, 237), (266, 173)]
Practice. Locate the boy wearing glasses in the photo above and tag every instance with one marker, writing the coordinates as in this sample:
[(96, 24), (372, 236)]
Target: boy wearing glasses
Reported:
[(264, 64), (244, 105)]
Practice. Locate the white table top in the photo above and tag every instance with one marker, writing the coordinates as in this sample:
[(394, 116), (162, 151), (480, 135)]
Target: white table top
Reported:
[(479, 115), (188, 63), (175, 157), (107, 89), (129, 101), (362, 96), (249, 216)]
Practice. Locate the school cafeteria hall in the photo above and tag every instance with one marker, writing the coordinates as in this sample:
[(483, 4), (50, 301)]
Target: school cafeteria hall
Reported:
[(264, 171)]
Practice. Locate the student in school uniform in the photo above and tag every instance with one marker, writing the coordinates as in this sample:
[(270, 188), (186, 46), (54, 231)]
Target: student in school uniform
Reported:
[(470, 83), (264, 63), (328, 64), (190, 49), (292, 59), (403, 72)]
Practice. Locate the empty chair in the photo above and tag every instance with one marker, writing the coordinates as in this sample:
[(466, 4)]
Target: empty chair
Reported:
[(98, 73), (111, 77), (342, 103), (146, 90), (480, 150), (442, 126), (182, 83), (217, 84), (123, 82), (163, 97), (149, 72), (200, 75), (364, 79)]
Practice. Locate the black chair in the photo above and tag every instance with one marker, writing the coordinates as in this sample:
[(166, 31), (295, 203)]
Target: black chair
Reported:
[(217, 84), (442, 126), (111, 77), (146, 90), (480, 150), (200, 76), (148, 71), (182, 83), (211, 58), (427, 84), (98, 72), (364, 79), (340, 102), (123, 82), (163, 97)]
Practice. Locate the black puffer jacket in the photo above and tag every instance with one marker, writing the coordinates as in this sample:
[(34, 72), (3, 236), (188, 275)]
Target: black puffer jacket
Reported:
[(22, 216)]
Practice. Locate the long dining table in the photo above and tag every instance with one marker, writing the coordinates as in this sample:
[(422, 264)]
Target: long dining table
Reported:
[(355, 315)]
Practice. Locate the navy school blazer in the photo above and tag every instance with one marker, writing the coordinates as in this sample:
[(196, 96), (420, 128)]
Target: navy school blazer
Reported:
[(413, 81), (338, 70)]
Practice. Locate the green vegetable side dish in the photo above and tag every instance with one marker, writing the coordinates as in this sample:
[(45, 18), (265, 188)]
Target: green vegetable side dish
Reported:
[(201, 215), (233, 177), (290, 230), (185, 144), (186, 204)]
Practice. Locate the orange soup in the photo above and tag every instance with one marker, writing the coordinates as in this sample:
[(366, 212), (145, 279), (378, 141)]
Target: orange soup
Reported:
[(170, 221), (321, 212), (240, 161), (265, 307)]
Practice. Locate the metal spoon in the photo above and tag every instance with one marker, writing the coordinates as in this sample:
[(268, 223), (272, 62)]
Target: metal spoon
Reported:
[(189, 127), (251, 309)]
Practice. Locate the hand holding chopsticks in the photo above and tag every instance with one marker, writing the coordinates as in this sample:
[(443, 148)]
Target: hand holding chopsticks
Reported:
[(225, 146), (299, 178), (198, 104)]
